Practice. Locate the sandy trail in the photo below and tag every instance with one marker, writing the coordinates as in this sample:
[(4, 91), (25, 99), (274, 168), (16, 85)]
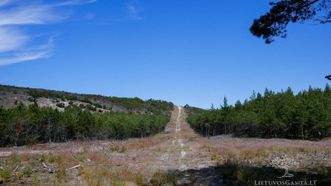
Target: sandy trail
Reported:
[(180, 149)]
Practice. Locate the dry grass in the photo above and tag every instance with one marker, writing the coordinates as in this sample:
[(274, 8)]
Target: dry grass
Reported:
[(260, 152)]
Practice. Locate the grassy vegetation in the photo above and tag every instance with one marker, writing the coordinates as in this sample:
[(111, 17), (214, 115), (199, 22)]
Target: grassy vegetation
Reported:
[(160, 179), (31, 170), (306, 115)]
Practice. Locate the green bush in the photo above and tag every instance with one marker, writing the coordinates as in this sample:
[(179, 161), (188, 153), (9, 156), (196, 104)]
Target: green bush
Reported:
[(6, 174), (27, 172), (61, 105)]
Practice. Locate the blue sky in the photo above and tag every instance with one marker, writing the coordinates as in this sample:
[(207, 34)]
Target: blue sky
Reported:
[(187, 51)]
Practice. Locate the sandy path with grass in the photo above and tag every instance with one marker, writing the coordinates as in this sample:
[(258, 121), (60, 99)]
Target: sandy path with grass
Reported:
[(179, 148)]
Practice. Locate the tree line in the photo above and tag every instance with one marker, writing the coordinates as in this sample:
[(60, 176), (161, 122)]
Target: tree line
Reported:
[(306, 115), (32, 124)]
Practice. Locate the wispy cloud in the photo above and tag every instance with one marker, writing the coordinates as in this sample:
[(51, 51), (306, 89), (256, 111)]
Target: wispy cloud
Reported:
[(74, 2), (5, 2), (14, 15), (33, 53), (11, 39), (29, 14), (134, 12)]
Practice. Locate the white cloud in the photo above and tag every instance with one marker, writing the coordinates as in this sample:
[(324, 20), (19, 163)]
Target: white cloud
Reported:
[(39, 52), (13, 41), (133, 12), (32, 14), (5, 2), (23, 57), (74, 2)]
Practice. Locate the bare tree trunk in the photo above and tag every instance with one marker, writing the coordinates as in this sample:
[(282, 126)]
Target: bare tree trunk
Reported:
[(302, 133), (49, 131)]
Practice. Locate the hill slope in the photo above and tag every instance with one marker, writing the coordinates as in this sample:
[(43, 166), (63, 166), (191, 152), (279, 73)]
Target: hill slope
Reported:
[(11, 96), (37, 116)]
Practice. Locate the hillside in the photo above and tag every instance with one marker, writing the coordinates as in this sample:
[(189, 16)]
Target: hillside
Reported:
[(11, 96), (29, 116)]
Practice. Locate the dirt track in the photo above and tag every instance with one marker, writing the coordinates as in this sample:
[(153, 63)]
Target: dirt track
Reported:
[(181, 148)]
